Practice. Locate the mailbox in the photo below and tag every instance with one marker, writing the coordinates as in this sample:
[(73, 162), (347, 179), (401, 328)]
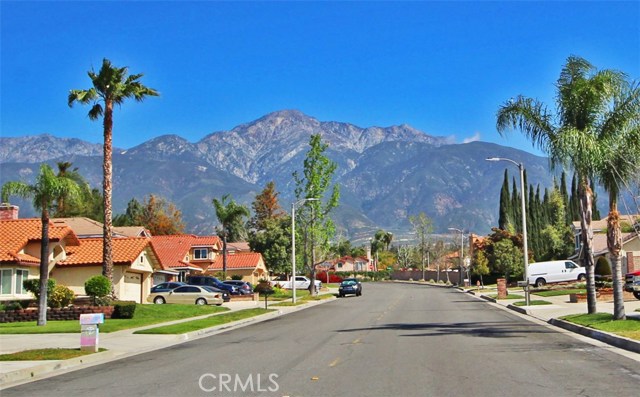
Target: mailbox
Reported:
[(90, 331)]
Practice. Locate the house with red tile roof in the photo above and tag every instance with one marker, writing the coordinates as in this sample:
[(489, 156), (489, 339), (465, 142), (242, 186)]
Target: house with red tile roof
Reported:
[(189, 255), (249, 265), (72, 260), (20, 243), (346, 264), (133, 265), (182, 255)]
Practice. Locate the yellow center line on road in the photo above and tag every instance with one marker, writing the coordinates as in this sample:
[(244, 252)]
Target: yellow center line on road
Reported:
[(335, 362), (355, 342)]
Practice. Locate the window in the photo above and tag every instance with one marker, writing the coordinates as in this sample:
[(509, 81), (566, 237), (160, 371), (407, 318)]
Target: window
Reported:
[(182, 277), (21, 275), (200, 253), (5, 281)]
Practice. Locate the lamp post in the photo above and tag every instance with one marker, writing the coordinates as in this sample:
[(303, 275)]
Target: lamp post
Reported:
[(293, 243), (524, 225), (461, 251)]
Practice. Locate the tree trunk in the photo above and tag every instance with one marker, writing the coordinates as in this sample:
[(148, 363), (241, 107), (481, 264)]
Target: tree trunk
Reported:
[(614, 244), (44, 268), (586, 238), (224, 255), (107, 174)]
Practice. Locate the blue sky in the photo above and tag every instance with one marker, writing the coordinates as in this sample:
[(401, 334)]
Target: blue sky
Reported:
[(441, 67)]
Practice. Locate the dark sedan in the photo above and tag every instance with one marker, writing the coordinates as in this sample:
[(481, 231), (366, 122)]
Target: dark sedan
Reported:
[(226, 297), (350, 286), (244, 287)]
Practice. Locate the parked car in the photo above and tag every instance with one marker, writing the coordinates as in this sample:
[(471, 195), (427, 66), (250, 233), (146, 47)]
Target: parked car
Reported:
[(244, 287), (302, 282), (632, 283), (168, 286), (213, 282), (187, 294), (350, 286), (225, 294), (541, 273)]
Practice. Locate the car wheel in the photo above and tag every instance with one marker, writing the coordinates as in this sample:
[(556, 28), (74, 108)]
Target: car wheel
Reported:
[(636, 294), (541, 282), (201, 301), (158, 300), (582, 277)]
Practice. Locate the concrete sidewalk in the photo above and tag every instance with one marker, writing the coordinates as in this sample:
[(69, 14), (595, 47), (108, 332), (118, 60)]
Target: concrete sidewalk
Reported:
[(562, 307), (119, 344)]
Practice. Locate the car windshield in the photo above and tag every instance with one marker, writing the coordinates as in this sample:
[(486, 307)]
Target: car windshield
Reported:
[(348, 282)]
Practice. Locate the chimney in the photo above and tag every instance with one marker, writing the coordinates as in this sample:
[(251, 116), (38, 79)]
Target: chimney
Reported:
[(8, 211)]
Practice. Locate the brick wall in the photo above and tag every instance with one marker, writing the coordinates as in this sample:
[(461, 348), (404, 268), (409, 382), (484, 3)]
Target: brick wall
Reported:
[(633, 262), (67, 313)]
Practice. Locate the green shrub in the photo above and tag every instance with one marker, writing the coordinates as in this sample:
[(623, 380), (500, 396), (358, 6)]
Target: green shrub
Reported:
[(11, 306), (60, 297), (124, 309), (97, 287), (33, 285), (236, 277)]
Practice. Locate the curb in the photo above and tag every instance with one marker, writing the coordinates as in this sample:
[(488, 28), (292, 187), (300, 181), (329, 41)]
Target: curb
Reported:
[(51, 368), (605, 337), (20, 375), (613, 340)]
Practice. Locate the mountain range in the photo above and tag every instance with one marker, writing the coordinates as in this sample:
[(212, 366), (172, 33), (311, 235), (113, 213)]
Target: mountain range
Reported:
[(385, 174)]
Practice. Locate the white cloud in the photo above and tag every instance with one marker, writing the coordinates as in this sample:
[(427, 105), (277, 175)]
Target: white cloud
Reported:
[(474, 138)]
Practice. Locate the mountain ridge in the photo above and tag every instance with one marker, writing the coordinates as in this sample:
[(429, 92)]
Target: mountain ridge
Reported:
[(385, 174)]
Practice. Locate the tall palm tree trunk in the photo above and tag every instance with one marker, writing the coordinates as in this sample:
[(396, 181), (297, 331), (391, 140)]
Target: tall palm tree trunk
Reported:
[(224, 256), (44, 268), (586, 237), (107, 169), (614, 244)]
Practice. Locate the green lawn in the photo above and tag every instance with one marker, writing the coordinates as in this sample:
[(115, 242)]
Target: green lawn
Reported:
[(303, 300), (559, 292), (510, 296), (45, 354), (212, 321), (144, 315), (532, 303), (629, 328)]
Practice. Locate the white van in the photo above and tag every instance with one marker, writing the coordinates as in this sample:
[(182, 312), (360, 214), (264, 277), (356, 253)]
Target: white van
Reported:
[(541, 273)]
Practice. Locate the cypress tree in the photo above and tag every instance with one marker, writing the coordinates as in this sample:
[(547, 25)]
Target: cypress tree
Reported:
[(574, 202), (565, 195), (505, 206), (515, 207), (596, 212)]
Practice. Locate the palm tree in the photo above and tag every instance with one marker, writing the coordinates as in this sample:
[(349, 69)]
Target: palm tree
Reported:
[(111, 86), (620, 138), (47, 189), (230, 214), (570, 136)]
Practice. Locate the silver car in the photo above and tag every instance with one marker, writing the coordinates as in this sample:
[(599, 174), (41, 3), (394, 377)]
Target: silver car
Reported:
[(187, 294)]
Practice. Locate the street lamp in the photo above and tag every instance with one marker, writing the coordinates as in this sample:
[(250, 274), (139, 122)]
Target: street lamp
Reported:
[(293, 242), (461, 251), (524, 225)]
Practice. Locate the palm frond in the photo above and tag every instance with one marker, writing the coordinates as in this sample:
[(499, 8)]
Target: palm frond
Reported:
[(529, 116)]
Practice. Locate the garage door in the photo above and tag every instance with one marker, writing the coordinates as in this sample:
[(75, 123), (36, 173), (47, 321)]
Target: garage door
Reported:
[(132, 287)]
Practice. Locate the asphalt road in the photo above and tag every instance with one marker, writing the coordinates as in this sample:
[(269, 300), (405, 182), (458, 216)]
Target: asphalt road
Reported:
[(395, 340)]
